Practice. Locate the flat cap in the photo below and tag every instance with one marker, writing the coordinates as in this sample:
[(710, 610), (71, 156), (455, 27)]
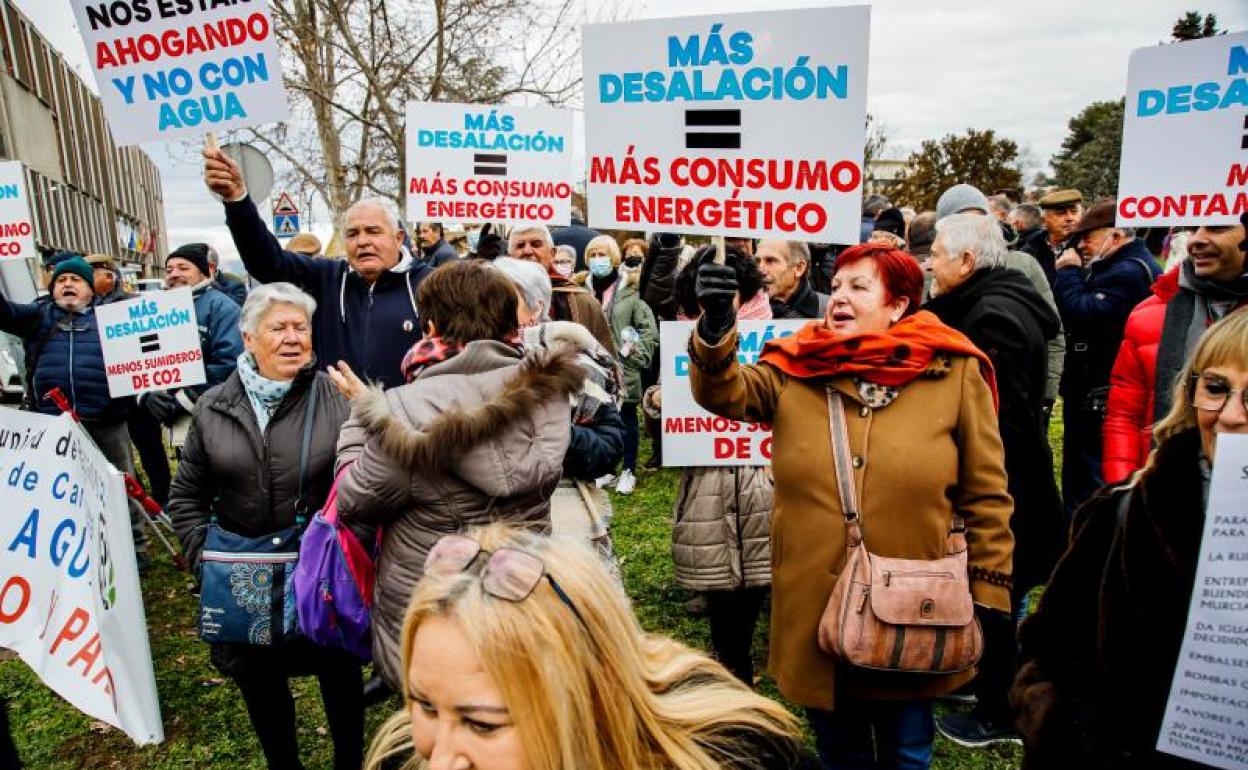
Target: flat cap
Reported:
[(1060, 199), (100, 260), (1099, 215)]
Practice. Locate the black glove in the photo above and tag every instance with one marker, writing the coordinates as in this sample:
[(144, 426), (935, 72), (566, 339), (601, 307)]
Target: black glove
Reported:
[(164, 406), (717, 293)]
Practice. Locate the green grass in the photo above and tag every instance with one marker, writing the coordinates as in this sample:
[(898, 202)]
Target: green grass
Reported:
[(206, 725)]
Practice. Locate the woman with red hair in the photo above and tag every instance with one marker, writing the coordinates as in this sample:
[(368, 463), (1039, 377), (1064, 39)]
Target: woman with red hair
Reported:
[(918, 401)]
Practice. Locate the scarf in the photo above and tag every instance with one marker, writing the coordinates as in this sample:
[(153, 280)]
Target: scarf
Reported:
[(425, 353), (893, 357), (757, 309), (263, 394), (1194, 308)]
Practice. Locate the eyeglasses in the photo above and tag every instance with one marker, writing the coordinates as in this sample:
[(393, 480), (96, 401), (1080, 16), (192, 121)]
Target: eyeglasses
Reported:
[(1212, 392), (508, 574)]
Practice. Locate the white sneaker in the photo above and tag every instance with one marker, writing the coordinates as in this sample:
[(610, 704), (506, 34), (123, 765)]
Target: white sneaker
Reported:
[(626, 484), (602, 482)]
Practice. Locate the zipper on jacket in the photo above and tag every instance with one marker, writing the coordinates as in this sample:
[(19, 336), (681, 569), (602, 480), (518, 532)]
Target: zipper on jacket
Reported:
[(736, 492), (368, 332), (73, 386)]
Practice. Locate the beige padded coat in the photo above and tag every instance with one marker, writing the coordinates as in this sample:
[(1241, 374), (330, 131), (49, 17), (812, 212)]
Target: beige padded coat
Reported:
[(478, 438), (722, 535)]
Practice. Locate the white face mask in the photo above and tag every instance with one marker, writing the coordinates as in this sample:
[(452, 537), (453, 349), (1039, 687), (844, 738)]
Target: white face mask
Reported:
[(564, 269)]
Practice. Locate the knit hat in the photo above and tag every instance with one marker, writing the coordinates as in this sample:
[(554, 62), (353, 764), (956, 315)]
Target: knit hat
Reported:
[(195, 253), (79, 267), (54, 258), (891, 221), (958, 198)]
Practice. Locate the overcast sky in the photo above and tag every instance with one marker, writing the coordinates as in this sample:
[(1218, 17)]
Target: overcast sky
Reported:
[(937, 66)]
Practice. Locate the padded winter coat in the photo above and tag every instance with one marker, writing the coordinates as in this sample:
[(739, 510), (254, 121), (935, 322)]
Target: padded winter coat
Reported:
[(722, 537), (478, 438)]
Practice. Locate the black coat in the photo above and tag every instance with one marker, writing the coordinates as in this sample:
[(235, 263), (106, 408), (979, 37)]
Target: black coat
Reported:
[(804, 302), (439, 253), (1036, 243), (1098, 656), (251, 481), (1001, 312)]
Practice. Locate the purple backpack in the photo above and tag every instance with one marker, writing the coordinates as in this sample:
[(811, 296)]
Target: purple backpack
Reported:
[(334, 583)]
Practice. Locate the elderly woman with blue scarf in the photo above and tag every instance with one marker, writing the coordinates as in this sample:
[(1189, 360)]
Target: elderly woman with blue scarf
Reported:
[(242, 466)]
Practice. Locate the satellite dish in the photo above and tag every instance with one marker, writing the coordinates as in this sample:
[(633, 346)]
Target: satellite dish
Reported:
[(257, 171)]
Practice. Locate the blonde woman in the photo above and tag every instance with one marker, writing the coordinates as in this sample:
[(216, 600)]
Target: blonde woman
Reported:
[(522, 653), (1089, 693)]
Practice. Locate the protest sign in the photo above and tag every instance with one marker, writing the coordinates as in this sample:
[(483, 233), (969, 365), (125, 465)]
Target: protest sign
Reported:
[(477, 163), (70, 604), (694, 436), (17, 228), (151, 343), (748, 124), (1185, 134), (168, 70), (1206, 717)]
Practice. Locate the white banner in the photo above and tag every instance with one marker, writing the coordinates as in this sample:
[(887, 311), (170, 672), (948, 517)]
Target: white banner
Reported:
[(1185, 134), (482, 163), (693, 436), (17, 228), (151, 343), (1206, 717), (170, 70), (747, 124), (70, 603)]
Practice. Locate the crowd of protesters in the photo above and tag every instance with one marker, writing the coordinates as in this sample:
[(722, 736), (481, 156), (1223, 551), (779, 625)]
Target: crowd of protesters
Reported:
[(465, 414)]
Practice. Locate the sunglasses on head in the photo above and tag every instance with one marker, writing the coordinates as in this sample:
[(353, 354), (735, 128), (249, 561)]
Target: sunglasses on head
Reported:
[(508, 573)]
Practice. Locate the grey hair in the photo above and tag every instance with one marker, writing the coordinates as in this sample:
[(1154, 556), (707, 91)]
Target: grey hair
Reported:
[(213, 257), (999, 203), (874, 204), (261, 300), (521, 229), (385, 204), (975, 233), (1029, 214), (530, 279), (798, 252)]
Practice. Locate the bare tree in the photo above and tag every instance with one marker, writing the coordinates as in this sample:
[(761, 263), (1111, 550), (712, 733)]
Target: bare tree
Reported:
[(351, 66)]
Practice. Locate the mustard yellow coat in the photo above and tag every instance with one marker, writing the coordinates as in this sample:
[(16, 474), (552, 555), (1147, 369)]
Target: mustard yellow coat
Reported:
[(934, 449)]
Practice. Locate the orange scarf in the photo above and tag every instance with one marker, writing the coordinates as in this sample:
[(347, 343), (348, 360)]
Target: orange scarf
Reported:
[(894, 357)]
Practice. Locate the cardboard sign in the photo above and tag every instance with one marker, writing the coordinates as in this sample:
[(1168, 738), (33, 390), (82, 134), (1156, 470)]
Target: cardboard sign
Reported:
[(481, 163), (1185, 134), (17, 227), (748, 125), (151, 343), (169, 70), (1206, 717), (70, 603), (693, 436)]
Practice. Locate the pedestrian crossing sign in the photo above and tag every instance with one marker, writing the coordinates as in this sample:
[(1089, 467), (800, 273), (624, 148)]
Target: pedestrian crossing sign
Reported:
[(286, 225)]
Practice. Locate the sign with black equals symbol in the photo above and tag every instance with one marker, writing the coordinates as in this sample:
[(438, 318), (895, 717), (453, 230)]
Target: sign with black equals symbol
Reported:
[(149, 343), (713, 129), (489, 164)]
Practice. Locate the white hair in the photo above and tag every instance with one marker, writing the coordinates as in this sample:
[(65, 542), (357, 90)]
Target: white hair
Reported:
[(261, 300), (520, 230), (531, 280), (386, 206), (976, 233)]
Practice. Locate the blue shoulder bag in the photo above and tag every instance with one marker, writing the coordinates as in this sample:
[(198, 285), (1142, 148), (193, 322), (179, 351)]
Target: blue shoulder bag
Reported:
[(247, 594)]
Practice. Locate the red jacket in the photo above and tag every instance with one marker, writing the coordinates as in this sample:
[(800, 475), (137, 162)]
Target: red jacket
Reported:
[(1127, 432)]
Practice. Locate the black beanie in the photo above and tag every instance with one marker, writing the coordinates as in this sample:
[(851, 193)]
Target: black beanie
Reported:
[(891, 221), (195, 253)]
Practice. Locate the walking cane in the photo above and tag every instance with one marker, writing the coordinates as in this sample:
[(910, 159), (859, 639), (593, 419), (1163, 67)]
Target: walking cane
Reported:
[(154, 514)]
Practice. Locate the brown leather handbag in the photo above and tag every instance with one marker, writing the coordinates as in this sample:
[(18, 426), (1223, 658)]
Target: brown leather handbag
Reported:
[(887, 614)]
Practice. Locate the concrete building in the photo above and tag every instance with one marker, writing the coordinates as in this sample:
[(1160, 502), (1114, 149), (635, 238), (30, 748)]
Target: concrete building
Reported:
[(88, 194)]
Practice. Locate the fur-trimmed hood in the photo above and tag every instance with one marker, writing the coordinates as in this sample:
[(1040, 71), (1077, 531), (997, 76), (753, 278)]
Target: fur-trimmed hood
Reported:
[(541, 376)]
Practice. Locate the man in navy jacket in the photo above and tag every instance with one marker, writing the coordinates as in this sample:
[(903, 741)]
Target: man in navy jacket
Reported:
[(366, 312)]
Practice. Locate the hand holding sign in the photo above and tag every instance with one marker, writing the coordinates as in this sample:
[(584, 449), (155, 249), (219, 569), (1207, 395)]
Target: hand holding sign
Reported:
[(222, 175)]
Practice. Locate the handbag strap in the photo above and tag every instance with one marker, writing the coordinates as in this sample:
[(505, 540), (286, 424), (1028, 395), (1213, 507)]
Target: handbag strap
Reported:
[(305, 446), (838, 433)]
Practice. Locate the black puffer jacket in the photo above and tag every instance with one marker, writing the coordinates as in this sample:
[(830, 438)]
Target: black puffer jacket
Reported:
[(251, 481), (1000, 311)]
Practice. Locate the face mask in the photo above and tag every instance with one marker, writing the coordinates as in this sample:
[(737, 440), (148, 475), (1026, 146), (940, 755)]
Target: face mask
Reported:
[(600, 266), (632, 261), (564, 269), (474, 237)]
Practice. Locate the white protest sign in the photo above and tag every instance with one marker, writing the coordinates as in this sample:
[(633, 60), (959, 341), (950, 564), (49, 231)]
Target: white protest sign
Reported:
[(1185, 134), (481, 163), (151, 343), (70, 603), (17, 228), (693, 436), (1206, 717), (169, 70), (747, 124)]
